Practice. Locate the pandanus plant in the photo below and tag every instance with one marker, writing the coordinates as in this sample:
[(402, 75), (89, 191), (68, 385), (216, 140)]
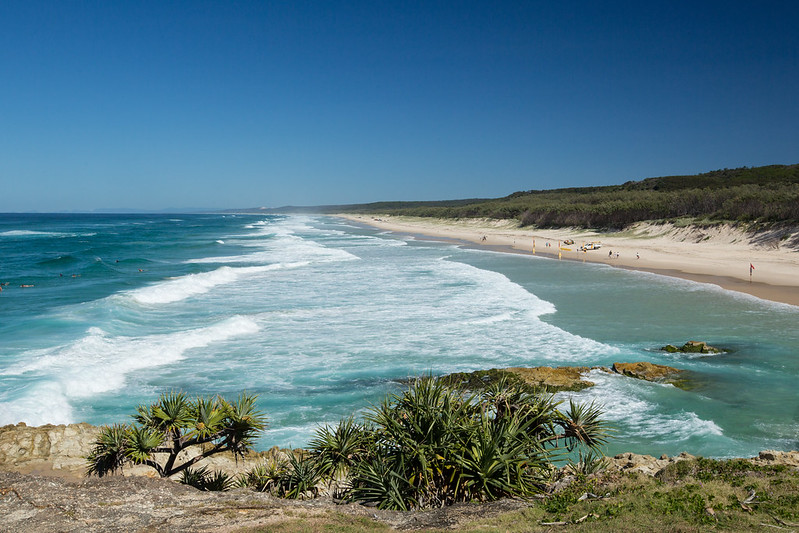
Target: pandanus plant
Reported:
[(436, 444), (174, 423)]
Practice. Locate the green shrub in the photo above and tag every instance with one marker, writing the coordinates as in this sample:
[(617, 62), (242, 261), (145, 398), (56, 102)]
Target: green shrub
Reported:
[(436, 444), (173, 424)]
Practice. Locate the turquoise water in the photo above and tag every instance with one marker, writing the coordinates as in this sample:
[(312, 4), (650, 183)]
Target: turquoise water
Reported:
[(322, 318)]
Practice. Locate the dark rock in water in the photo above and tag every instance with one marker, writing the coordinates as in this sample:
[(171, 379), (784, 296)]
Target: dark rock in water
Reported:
[(692, 347)]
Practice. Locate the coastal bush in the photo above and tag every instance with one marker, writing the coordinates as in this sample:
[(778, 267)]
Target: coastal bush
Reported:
[(338, 448), (435, 444), (203, 479), (173, 424), (763, 195), (265, 477), (295, 476)]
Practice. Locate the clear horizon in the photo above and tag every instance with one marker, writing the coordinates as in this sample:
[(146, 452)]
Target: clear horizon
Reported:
[(109, 106)]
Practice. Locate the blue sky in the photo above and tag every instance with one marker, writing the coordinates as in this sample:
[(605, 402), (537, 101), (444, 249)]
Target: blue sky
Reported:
[(155, 105)]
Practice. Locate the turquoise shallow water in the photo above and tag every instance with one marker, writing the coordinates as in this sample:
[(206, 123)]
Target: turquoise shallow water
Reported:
[(321, 318)]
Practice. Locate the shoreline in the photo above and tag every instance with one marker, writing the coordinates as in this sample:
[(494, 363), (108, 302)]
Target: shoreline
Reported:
[(717, 255)]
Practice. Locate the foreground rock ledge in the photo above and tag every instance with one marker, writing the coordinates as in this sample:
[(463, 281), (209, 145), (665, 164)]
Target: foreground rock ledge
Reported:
[(30, 503)]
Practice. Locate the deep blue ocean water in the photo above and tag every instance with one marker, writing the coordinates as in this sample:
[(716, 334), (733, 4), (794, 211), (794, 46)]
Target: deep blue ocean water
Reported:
[(322, 318)]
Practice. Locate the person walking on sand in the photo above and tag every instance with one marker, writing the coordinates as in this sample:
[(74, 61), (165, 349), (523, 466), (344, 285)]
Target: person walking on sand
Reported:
[(637, 256)]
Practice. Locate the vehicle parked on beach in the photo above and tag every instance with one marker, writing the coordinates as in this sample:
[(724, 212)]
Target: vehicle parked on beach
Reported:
[(590, 246)]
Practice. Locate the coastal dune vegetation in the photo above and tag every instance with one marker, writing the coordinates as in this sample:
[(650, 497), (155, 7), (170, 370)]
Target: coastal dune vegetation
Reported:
[(440, 442), (434, 444)]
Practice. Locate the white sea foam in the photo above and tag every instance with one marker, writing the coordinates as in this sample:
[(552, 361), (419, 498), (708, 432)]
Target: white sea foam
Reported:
[(99, 363), (43, 403), (184, 287), (31, 233), (286, 248), (630, 403)]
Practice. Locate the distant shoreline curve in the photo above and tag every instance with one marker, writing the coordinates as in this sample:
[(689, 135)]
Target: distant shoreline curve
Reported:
[(723, 259)]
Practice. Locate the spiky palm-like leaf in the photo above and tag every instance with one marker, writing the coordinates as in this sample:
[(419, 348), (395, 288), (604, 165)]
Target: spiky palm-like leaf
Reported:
[(172, 413), (203, 479), (591, 462), (218, 481), (582, 425), (435, 445), (301, 478), (378, 480), (141, 443), (501, 457), (243, 422), (171, 425), (194, 477), (338, 448), (267, 476), (209, 416), (108, 453)]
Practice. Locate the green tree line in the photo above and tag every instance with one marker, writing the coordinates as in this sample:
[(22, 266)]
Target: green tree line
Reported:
[(764, 195)]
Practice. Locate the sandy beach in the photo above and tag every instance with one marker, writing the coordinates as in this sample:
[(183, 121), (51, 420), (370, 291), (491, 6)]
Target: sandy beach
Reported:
[(720, 254)]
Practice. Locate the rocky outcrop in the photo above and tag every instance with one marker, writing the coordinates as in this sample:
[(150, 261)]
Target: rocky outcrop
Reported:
[(650, 466), (46, 449), (644, 464), (693, 347), (651, 372), (774, 457), (562, 378), (61, 451), (565, 378)]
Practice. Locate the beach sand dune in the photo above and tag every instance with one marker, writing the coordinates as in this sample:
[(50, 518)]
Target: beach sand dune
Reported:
[(719, 254)]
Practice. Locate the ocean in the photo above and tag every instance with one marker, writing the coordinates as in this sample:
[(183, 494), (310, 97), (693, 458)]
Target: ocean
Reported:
[(323, 318)]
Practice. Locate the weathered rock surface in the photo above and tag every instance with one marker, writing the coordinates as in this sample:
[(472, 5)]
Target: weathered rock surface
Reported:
[(651, 372), (61, 451), (644, 464), (46, 449), (32, 504), (562, 378), (693, 347), (566, 378), (774, 457), (650, 466)]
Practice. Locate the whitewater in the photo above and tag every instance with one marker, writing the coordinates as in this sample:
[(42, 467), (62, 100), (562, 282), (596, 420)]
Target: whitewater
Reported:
[(323, 318)]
